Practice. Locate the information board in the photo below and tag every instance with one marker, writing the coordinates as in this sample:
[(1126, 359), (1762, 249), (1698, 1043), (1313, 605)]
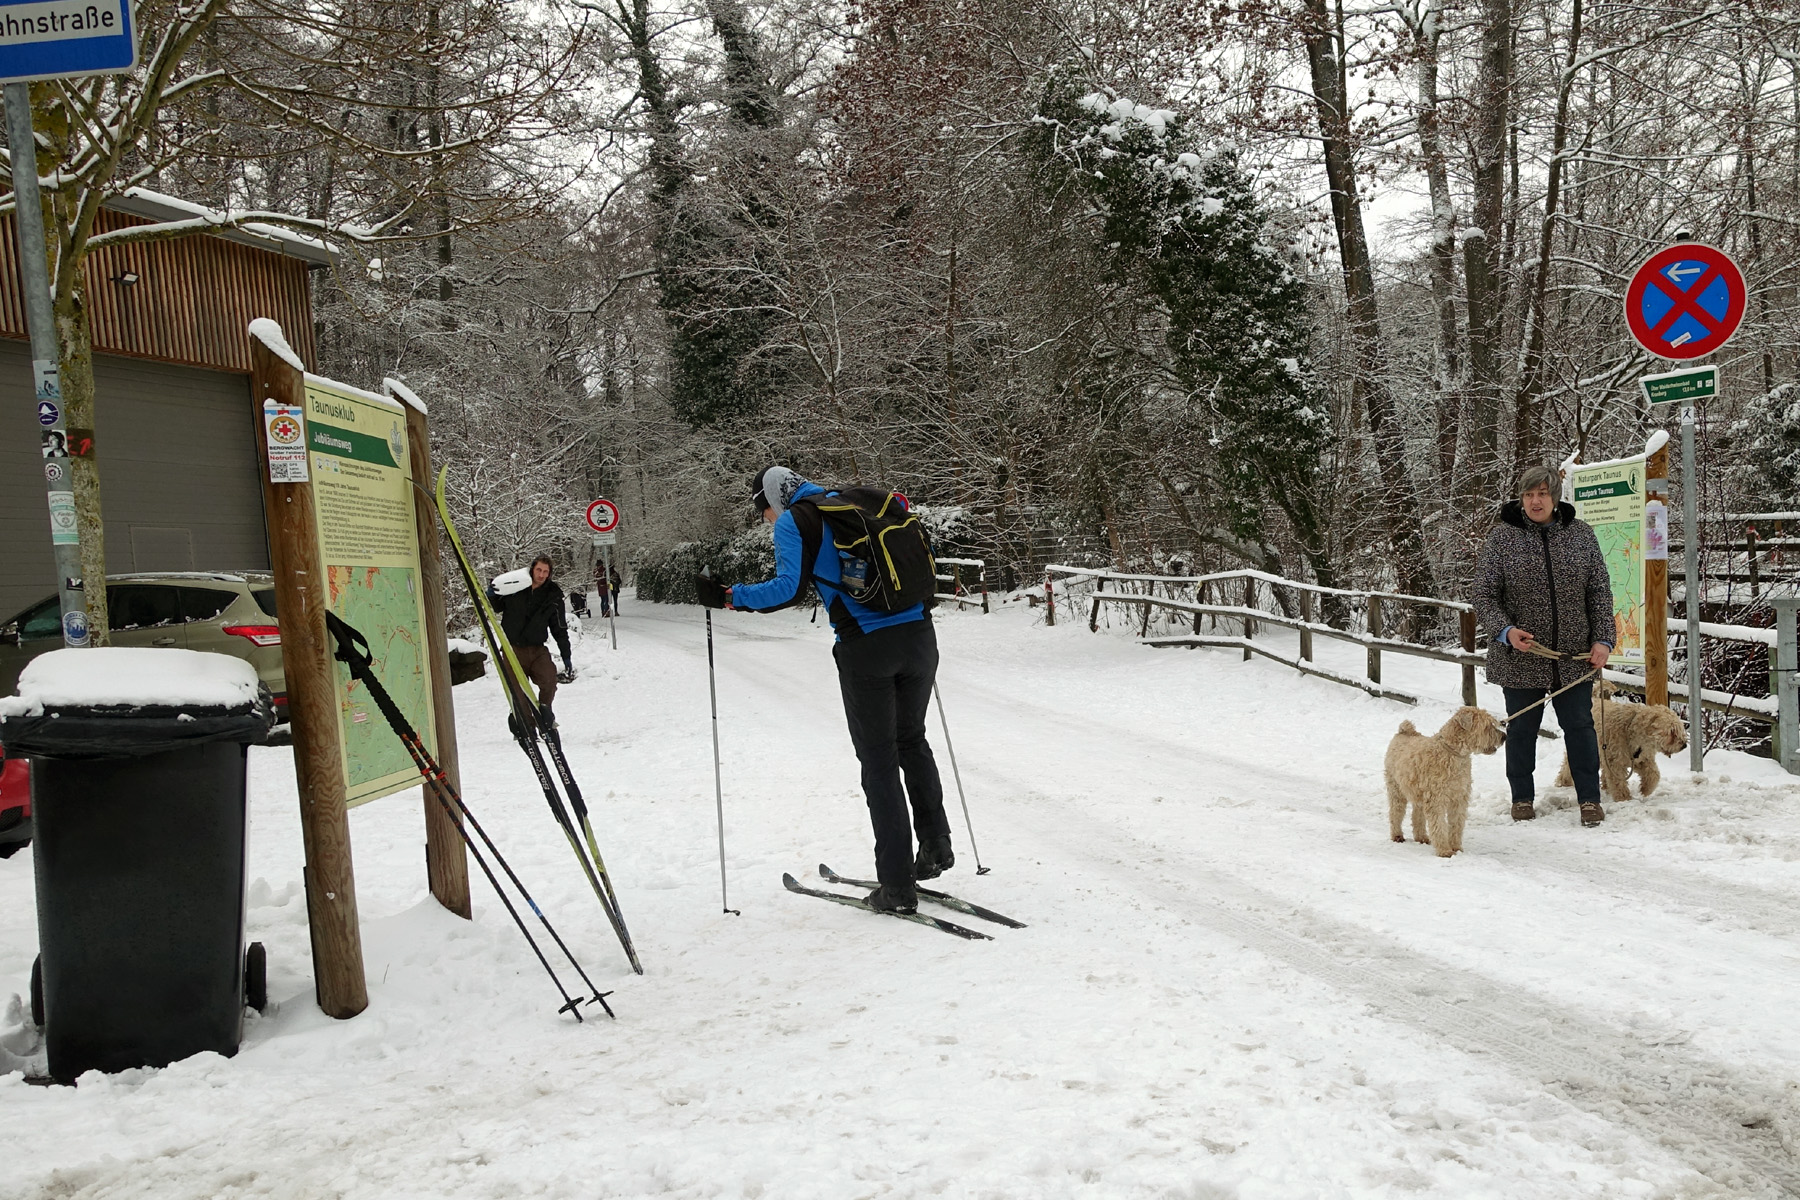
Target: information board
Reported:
[(1610, 497), (369, 549)]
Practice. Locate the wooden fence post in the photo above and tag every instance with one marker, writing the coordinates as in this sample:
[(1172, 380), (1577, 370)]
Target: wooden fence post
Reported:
[(446, 860), (1656, 587), (1750, 549), (1144, 629), (1306, 614), (1249, 621), (1200, 594), (1467, 622), (1049, 601), (1374, 632), (1094, 616), (301, 596)]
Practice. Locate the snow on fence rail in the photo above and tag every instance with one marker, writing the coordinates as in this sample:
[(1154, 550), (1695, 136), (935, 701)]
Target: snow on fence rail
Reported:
[(958, 594), (1299, 614)]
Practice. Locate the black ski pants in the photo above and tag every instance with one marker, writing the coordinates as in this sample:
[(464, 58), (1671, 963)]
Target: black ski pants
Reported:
[(886, 679), (1574, 712)]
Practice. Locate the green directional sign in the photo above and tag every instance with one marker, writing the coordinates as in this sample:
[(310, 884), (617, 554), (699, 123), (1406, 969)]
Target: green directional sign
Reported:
[(1681, 387)]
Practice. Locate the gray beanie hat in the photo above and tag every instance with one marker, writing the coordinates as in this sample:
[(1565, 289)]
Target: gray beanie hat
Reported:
[(775, 489)]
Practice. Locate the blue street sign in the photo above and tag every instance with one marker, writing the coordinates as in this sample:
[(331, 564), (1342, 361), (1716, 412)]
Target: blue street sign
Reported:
[(54, 39), (47, 413)]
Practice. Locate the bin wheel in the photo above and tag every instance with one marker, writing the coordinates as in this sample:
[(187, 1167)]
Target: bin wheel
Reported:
[(37, 991), (256, 977)]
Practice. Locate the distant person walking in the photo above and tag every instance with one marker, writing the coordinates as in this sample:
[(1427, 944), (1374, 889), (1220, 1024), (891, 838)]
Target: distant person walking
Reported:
[(603, 588), (887, 661), (531, 613), (1542, 582), (617, 587)]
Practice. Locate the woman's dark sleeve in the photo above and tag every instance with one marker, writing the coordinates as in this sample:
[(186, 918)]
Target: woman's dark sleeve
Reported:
[(1490, 589)]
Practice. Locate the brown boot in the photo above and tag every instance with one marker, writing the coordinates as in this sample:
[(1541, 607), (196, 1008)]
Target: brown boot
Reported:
[(1591, 813), (1523, 811)]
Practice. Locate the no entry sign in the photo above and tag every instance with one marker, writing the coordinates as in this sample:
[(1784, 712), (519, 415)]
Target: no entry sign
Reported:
[(1686, 301), (603, 516)]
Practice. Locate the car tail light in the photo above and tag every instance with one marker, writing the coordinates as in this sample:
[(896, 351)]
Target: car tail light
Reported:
[(262, 635)]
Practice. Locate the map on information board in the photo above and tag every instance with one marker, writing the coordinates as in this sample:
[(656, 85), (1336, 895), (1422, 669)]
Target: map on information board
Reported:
[(1610, 497), (368, 544)]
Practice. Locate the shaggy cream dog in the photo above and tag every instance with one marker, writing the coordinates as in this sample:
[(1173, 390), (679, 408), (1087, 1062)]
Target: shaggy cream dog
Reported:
[(1631, 736), (1432, 774)]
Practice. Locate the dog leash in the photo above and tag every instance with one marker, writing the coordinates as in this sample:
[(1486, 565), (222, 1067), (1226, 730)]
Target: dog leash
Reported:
[(1561, 656)]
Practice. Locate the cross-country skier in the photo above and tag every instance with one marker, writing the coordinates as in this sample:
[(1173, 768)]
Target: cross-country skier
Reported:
[(887, 662), (531, 613)]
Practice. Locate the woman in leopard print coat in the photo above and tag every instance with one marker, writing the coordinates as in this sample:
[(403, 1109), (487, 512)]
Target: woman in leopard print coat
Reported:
[(1542, 580)]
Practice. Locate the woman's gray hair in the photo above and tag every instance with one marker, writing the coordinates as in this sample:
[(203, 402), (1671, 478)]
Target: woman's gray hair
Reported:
[(1541, 476)]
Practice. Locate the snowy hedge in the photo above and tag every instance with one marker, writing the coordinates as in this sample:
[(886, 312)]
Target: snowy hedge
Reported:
[(747, 557)]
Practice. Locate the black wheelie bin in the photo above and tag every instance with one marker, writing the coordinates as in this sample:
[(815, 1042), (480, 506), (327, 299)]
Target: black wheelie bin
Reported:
[(139, 863)]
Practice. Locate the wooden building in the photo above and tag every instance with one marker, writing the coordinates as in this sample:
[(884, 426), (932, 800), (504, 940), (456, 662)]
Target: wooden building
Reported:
[(174, 421)]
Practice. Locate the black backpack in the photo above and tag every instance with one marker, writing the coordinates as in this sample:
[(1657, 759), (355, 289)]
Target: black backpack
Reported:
[(882, 546)]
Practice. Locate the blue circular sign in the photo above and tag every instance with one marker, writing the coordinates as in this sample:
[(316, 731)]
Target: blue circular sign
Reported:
[(75, 627), (48, 414)]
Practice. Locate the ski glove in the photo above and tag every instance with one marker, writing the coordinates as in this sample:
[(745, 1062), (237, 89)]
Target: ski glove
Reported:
[(566, 675), (713, 594)]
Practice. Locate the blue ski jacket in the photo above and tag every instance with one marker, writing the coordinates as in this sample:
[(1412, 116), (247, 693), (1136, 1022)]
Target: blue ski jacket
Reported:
[(799, 561)]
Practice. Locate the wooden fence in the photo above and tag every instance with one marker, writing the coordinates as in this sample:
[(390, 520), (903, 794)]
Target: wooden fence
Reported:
[(1224, 602), (959, 592)]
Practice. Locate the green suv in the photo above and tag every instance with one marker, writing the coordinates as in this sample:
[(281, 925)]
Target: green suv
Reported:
[(226, 613)]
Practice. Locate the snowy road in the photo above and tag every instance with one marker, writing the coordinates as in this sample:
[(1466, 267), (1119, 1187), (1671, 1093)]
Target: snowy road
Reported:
[(1233, 984)]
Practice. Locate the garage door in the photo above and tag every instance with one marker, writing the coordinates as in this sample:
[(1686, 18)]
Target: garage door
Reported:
[(178, 478)]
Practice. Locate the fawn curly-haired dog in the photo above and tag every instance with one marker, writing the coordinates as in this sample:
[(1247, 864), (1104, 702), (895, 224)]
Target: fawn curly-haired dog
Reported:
[(1631, 736), (1432, 774)]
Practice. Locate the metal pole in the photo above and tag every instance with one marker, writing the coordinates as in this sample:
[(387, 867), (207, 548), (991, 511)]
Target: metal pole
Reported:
[(957, 774), (612, 608), (712, 689), (40, 318), (1787, 683), (1690, 519)]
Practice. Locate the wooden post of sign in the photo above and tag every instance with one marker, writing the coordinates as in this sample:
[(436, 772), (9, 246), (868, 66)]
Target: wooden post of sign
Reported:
[(1306, 615), (1656, 587), (446, 859), (300, 598)]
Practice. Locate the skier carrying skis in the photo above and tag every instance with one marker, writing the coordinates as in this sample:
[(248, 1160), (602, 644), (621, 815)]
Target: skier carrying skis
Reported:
[(530, 616), (887, 661)]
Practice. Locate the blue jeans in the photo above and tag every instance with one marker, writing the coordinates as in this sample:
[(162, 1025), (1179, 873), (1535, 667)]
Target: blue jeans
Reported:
[(1574, 712)]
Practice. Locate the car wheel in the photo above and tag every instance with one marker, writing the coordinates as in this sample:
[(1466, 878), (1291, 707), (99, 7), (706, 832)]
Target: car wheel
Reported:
[(37, 991), (256, 977)]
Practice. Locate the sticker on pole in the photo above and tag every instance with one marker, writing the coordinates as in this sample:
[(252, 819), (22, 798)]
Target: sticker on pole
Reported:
[(1686, 301), (286, 428), (603, 516)]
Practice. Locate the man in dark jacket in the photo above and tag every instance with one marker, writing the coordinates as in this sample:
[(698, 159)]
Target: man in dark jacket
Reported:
[(1542, 581), (887, 663), (530, 616)]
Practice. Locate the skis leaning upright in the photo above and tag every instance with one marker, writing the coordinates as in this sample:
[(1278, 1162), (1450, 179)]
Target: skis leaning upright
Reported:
[(527, 731)]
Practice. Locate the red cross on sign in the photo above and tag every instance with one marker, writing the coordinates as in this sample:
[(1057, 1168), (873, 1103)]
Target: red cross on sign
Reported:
[(1686, 301)]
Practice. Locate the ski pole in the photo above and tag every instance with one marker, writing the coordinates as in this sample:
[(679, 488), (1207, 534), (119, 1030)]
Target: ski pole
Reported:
[(361, 664), (712, 688), (945, 721)]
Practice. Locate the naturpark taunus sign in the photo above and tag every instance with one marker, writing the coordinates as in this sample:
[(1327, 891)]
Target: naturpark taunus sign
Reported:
[(53, 39), (369, 554)]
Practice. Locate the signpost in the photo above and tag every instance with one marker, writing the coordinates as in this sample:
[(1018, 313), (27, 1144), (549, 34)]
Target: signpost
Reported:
[(52, 39), (1683, 303), (603, 519)]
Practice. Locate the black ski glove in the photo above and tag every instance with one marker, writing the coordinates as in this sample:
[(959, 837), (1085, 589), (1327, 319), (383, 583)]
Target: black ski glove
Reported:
[(567, 674), (712, 592)]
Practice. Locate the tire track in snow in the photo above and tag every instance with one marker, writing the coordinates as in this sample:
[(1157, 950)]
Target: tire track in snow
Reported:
[(1726, 1127), (1739, 906)]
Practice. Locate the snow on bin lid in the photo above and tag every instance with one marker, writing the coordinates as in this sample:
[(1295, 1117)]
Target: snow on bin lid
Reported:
[(110, 675)]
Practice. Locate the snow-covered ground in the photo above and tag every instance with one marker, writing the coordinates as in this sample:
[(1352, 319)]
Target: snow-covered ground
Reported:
[(1233, 984)]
